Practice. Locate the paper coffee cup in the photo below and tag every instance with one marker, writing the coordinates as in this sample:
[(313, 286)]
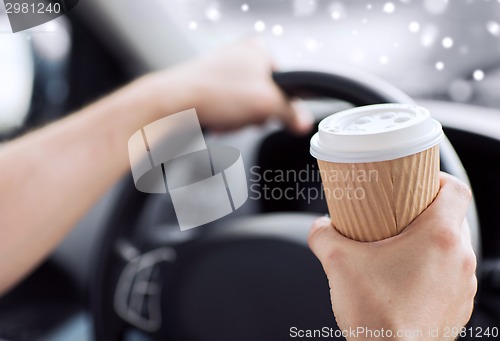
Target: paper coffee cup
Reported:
[(379, 166)]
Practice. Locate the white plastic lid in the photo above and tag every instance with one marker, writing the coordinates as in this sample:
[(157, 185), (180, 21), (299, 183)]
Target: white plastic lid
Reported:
[(375, 133)]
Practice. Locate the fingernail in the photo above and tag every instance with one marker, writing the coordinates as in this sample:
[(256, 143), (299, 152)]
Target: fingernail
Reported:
[(304, 124), (305, 116), (322, 221)]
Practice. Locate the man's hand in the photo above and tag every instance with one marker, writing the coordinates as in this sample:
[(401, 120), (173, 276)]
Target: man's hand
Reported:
[(423, 279), (233, 87), (229, 89)]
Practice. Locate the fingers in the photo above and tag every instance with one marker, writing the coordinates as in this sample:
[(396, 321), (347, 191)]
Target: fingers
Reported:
[(294, 115), (442, 223), (297, 118), (466, 232), (450, 206), (252, 43), (452, 201)]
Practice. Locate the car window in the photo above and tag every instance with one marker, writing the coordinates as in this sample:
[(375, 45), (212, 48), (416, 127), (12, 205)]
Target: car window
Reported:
[(429, 48), (16, 76)]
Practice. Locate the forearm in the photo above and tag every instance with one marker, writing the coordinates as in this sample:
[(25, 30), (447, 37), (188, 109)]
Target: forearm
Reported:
[(51, 177)]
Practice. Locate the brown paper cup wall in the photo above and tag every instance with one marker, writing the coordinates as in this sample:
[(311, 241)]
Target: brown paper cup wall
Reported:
[(377, 200)]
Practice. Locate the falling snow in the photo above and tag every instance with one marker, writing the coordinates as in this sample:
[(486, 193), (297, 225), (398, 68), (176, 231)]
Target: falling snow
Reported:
[(259, 26), (414, 27), (435, 6), (312, 45), (277, 30), (478, 75), (429, 35), (337, 11), (389, 7), (304, 7), (447, 42), (493, 27), (212, 13)]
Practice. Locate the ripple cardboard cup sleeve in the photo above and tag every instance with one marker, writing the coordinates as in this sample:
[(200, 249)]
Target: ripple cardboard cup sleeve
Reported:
[(205, 183), (379, 165)]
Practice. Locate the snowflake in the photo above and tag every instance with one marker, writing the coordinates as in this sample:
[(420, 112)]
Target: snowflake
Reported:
[(429, 35), (259, 26), (337, 10), (304, 7), (478, 75), (212, 13), (277, 30), (389, 7), (493, 27), (312, 45), (447, 42), (435, 6), (414, 27)]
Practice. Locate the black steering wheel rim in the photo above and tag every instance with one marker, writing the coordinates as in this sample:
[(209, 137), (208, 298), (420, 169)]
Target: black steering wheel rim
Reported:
[(346, 87), (342, 86)]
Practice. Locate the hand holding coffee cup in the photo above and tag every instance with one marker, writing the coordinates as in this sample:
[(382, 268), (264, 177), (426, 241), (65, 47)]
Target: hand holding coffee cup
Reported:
[(379, 165)]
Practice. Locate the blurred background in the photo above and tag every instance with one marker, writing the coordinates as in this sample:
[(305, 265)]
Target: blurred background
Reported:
[(437, 49), (429, 48)]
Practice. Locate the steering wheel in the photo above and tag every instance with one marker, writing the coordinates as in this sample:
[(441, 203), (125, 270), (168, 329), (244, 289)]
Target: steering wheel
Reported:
[(248, 276)]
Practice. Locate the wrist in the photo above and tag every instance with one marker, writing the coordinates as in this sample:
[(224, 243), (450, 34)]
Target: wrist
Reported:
[(166, 93)]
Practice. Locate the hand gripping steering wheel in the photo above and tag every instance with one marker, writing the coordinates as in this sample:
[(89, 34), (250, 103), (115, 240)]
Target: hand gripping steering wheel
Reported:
[(246, 278)]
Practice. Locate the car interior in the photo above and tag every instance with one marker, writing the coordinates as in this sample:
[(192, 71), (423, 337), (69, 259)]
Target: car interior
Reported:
[(127, 272)]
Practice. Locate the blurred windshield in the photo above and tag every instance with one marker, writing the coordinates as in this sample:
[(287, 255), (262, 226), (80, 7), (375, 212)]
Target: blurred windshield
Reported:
[(429, 48)]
